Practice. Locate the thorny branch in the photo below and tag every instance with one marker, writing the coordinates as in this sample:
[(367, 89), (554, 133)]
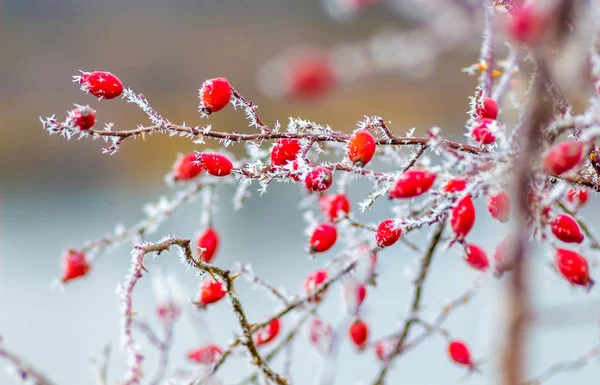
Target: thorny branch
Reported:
[(23, 369)]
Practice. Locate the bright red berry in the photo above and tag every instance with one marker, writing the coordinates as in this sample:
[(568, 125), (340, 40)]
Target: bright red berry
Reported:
[(527, 25), (284, 151), (565, 228), (573, 267), (313, 283), (323, 238), (211, 291), (476, 257), (215, 164), (499, 206), (82, 117), (309, 76), (209, 241), (488, 109), (455, 185), (388, 232), (578, 197), (462, 217), (412, 184), (319, 179), (335, 206), (359, 333), (361, 148), (482, 131), (75, 265), (206, 355), (355, 293), (459, 353), (214, 95), (564, 156), (187, 167), (268, 333), (101, 84)]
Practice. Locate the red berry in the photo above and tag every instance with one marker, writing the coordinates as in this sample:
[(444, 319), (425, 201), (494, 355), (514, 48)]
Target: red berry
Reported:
[(564, 156), (578, 197), (309, 76), (476, 257), (211, 291), (284, 151), (566, 229), (412, 184), (573, 267), (101, 84), (214, 95), (527, 25), (320, 334), (268, 333), (209, 241), (455, 185), (215, 164), (499, 206), (462, 217), (482, 131), (335, 206), (207, 354), (354, 294), (319, 179), (323, 238), (313, 283), (361, 148), (75, 265), (488, 109), (82, 117), (187, 167), (459, 353), (388, 232), (359, 333)]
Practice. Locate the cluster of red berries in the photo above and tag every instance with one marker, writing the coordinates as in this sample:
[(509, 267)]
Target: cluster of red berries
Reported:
[(483, 129)]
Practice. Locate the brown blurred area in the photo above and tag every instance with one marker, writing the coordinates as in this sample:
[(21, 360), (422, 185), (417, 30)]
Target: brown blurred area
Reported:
[(165, 50)]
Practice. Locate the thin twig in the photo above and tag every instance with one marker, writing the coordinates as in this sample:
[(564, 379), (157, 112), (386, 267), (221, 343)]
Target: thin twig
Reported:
[(416, 301)]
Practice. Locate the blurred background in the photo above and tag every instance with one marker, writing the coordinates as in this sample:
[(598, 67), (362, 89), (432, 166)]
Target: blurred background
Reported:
[(57, 194)]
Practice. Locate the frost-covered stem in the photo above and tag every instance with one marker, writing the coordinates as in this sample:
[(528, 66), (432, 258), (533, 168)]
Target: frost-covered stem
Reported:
[(133, 366), (300, 302), (255, 279), (248, 341), (251, 112), (487, 51), (235, 137), (386, 130), (25, 371), (504, 83), (415, 158), (567, 366), (280, 346), (416, 301), (95, 248)]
